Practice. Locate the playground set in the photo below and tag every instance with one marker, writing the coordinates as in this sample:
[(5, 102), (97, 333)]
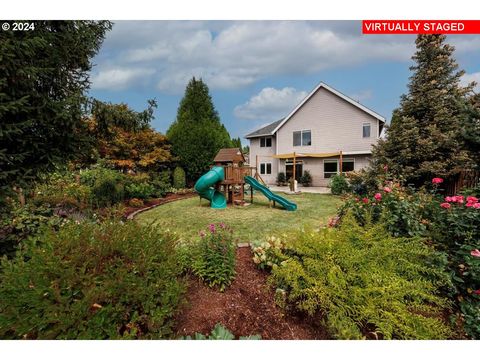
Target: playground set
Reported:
[(225, 182)]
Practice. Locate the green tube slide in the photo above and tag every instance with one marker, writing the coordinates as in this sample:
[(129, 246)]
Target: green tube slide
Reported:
[(288, 205), (204, 188)]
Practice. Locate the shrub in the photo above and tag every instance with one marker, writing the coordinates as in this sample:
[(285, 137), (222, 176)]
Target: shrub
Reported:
[(179, 178), (23, 222), (135, 202), (140, 191), (107, 191), (281, 179), (364, 282), (161, 182), (214, 261), (306, 178), (339, 185), (268, 253), (91, 281)]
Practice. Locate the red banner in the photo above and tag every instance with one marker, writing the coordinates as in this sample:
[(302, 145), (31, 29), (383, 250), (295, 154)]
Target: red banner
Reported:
[(421, 27)]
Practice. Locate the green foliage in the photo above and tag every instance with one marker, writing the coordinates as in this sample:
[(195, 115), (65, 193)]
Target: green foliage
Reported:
[(237, 143), (306, 178), (339, 185), (425, 136), (364, 282), (281, 179), (197, 133), (161, 182), (108, 190), (43, 78), (179, 178), (91, 281), (220, 332), (214, 259), (140, 191), (23, 222)]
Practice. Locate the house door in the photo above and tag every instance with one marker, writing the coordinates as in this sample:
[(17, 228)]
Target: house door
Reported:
[(298, 170)]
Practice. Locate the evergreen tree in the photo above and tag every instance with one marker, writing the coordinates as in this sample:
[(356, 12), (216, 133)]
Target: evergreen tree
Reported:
[(43, 77), (423, 140), (237, 143), (197, 133)]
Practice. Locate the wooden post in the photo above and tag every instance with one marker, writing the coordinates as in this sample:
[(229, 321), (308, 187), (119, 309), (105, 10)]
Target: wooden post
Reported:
[(294, 166), (256, 167), (341, 161)]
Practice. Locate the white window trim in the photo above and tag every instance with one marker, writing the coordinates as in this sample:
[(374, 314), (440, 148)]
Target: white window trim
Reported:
[(363, 126), (301, 137), (266, 137), (337, 161), (265, 163)]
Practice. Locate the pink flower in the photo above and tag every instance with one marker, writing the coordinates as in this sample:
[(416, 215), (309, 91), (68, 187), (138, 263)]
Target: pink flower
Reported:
[(385, 168), (450, 199), (387, 189), (222, 225), (476, 206), (472, 199), (469, 204), (445, 205), (477, 292), (459, 199), (211, 227), (437, 180), (365, 200), (378, 196), (475, 253)]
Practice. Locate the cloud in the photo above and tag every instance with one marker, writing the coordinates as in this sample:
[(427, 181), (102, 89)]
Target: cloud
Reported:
[(235, 54), (270, 104), (119, 78), (468, 78)]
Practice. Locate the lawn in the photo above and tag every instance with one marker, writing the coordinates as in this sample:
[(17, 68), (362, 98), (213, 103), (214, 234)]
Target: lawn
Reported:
[(187, 217)]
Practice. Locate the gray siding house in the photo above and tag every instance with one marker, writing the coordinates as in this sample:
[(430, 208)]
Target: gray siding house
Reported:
[(327, 128)]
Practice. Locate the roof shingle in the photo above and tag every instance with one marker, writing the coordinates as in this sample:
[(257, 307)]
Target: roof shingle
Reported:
[(266, 130)]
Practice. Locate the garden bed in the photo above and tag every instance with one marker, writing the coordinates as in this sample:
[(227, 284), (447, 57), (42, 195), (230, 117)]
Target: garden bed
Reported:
[(247, 307), (131, 212)]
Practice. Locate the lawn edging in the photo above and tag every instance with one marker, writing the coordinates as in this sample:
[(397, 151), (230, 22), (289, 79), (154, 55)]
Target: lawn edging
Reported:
[(132, 215)]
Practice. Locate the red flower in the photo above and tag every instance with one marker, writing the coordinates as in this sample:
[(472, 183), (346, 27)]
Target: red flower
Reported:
[(387, 189), (378, 196), (476, 206), (445, 205), (477, 292), (475, 253), (365, 200), (437, 180), (469, 204), (472, 199), (459, 199)]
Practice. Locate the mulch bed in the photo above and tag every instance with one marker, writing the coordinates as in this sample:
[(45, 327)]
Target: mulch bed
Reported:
[(132, 211), (247, 307)]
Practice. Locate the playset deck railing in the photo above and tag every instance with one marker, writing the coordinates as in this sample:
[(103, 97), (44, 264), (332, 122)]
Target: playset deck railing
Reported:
[(236, 174)]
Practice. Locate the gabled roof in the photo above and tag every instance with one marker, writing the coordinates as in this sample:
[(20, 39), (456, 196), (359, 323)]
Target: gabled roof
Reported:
[(264, 131), (273, 127), (229, 155)]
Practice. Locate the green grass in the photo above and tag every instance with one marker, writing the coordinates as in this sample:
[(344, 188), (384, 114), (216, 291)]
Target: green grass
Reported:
[(187, 217)]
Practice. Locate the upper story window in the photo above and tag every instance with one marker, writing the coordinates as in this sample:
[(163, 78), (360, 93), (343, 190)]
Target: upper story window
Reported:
[(366, 130), (302, 138), (266, 142)]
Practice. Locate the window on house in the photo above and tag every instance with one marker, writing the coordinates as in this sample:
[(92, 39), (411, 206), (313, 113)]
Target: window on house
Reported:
[(366, 130), (330, 168), (348, 165), (266, 142), (265, 168), (302, 138)]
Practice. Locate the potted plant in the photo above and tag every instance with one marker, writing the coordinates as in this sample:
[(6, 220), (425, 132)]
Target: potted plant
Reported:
[(306, 178), (281, 179)]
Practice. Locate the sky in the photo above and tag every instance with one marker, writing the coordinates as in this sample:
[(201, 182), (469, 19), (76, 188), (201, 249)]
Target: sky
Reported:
[(258, 71)]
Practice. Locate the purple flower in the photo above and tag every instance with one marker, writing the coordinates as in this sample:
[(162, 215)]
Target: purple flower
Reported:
[(211, 227)]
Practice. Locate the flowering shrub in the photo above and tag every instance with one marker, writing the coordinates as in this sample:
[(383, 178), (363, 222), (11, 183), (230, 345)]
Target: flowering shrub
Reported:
[(268, 253), (364, 282), (214, 259)]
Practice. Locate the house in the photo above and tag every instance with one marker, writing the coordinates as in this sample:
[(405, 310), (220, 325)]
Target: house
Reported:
[(327, 133)]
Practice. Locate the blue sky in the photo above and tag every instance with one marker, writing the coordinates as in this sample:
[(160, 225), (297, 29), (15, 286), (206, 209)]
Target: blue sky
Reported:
[(257, 71)]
